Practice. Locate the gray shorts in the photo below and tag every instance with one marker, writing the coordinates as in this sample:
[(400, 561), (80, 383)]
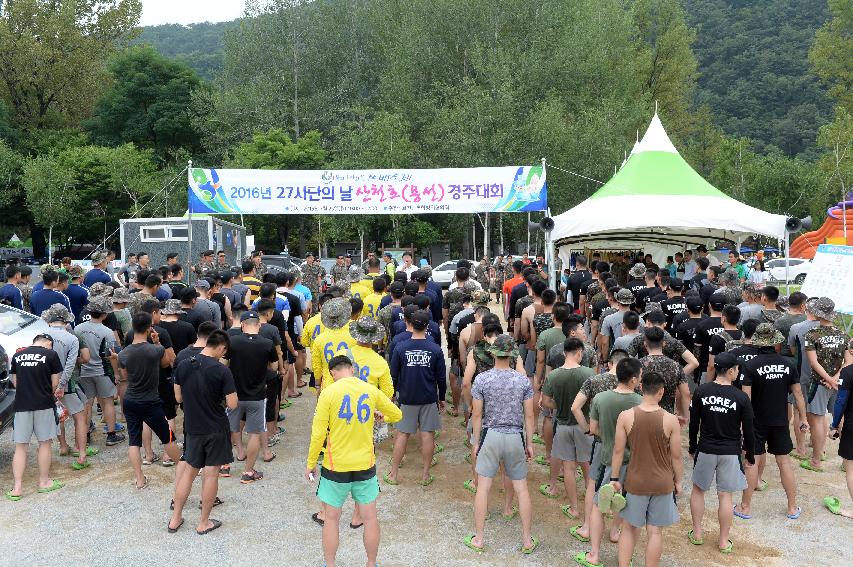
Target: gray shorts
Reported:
[(659, 510), (252, 412), (727, 468), (456, 370), (530, 362), (425, 418), (820, 402), (97, 387), (595, 457), (604, 478), (42, 423), (546, 412), (75, 401), (502, 448), (571, 444)]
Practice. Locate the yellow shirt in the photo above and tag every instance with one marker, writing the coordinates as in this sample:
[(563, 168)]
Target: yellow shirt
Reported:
[(371, 304), (325, 346), (372, 368), (361, 288), (344, 420), (311, 330)]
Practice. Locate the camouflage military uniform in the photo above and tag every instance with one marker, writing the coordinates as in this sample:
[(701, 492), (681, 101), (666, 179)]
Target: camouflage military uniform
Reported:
[(136, 301), (829, 344), (481, 274), (620, 272), (384, 317), (204, 269), (26, 292), (672, 375), (500, 278), (223, 267), (597, 384), (673, 349), (311, 273), (557, 356), (340, 275)]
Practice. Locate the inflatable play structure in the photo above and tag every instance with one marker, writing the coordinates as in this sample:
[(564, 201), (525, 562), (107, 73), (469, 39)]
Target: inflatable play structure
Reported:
[(832, 231)]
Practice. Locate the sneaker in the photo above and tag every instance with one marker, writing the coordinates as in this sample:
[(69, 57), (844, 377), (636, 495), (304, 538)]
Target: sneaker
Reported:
[(114, 439), (119, 427), (91, 426)]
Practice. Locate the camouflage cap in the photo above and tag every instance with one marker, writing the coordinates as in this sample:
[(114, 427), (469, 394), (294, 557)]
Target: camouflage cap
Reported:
[(729, 276), (766, 335), (75, 271), (98, 256), (624, 296), (121, 295), (100, 288), (593, 288), (172, 307), (470, 286), (821, 307), (354, 274), (100, 304), (480, 298), (652, 306), (428, 269), (367, 330), (335, 313), (44, 268), (783, 303), (57, 312), (637, 271), (503, 346)]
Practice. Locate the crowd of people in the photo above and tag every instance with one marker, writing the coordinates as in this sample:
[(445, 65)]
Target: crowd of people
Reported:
[(595, 380)]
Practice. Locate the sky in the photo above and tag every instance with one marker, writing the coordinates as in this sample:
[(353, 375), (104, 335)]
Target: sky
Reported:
[(155, 12)]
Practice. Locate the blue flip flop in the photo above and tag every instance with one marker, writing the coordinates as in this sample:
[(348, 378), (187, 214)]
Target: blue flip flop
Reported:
[(795, 515), (740, 515)]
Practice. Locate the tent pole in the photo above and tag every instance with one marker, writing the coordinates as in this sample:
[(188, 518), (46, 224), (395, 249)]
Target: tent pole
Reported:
[(189, 225), (787, 263)]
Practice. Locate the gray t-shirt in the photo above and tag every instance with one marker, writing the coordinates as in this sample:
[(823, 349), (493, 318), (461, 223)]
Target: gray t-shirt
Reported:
[(100, 340), (209, 311), (611, 326), (750, 311), (142, 362), (797, 341), (623, 342), (503, 392), (66, 346), (454, 324)]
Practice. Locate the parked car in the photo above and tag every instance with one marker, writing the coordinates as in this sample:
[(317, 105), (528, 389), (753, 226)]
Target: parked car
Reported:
[(17, 330), (279, 261), (798, 268), (444, 272)]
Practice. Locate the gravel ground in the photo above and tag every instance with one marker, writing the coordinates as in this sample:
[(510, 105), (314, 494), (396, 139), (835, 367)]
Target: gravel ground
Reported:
[(268, 521)]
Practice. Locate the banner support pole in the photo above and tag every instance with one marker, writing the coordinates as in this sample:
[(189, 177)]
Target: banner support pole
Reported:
[(189, 225)]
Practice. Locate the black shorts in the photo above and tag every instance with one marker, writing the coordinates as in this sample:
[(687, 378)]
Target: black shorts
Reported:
[(273, 395), (289, 357), (152, 415), (773, 439), (166, 389), (210, 450)]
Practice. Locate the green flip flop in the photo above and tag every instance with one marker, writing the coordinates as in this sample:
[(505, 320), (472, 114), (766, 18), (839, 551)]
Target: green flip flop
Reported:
[(566, 509), (605, 497), (90, 452), (510, 516), (728, 549), (809, 467), (428, 481), (389, 481), (541, 460), (574, 533), (54, 485), (78, 466), (537, 439), (534, 543), (581, 558), (762, 486), (469, 486), (439, 448), (434, 461), (618, 503), (13, 497), (437, 433), (543, 490), (833, 504), (693, 540), (468, 459), (468, 541)]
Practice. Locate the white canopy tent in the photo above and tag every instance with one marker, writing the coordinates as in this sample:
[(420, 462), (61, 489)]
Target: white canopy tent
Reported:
[(657, 203)]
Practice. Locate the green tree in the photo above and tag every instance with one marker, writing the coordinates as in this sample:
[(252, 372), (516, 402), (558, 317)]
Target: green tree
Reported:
[(831, 54), (11, 165), (54, 53), (148, 104)]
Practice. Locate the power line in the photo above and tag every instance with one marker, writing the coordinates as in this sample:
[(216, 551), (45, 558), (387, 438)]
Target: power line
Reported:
[(549, 164)]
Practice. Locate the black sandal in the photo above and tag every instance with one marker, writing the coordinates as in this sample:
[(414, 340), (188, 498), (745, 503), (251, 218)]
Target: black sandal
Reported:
[(216, 502), (355, 527), (216, 524), (174, 530), (316, 517)]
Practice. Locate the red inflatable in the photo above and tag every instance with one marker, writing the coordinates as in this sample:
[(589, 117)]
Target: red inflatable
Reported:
[(832, 232)]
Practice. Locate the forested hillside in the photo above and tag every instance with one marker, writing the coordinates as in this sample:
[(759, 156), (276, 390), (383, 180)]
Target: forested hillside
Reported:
[(198, 45)]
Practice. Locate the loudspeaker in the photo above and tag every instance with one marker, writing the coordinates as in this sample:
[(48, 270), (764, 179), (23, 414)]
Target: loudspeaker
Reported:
[(545, 225), (793, 224)]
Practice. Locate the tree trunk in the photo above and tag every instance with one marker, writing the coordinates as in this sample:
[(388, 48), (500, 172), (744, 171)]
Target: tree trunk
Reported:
[(300, 247), (486, 241)]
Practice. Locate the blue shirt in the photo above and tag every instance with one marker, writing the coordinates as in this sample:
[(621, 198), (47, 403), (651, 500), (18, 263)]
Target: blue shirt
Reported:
[(433, 330), (281, 304), (96, 275), (400, 338), (11, 295), (78, 297), (38, 287), (419, 372), (304, 292), (164, 292), (385, 301), (44, 298)]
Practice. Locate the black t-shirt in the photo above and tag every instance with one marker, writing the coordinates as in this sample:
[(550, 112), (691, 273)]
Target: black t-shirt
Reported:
[(584, 288), (142, 362), (279, 322), (110, 321), (519, 291), (177, 288), (706, 294), (194, 317), (771, 376), (645, 295), (575, 281), (33, 368), (182, 334), (597, 308), (718, 414), (671, 308), (636, 286), (717, 343), (188, 352), (250, 356), (704, 331), (685, 331), (204, 384), (745, 353), (846, 383)]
